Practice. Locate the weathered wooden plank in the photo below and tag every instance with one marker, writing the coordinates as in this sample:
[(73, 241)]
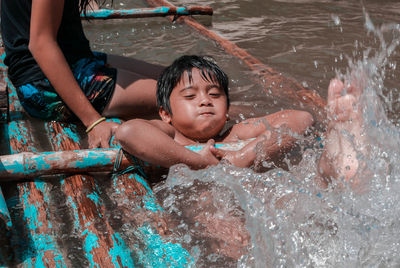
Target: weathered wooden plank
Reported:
[(34, 198), (6, 254), (162, 11), (3, 100), (101, 245), (34, 245), (148, 224), (5, 220)]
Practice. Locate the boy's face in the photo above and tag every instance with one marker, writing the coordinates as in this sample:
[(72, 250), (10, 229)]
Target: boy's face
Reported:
[(199, 109)]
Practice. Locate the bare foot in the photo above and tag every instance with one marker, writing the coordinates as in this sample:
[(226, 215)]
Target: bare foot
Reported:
[(344, 134), (342, 102)]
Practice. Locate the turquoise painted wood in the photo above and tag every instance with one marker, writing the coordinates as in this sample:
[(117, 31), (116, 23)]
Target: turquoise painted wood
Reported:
[(35, 244), (4, 213), (101, 245), (5, 234), (37, 240), (68, 161), (6, 226), (139, 207), (146, 12)]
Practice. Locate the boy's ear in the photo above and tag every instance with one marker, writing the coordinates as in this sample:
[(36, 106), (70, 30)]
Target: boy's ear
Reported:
[(165, 116)]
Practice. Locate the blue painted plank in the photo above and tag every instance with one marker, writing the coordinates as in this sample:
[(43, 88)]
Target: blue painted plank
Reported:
[(43, 250), (102, 246), (147, 12)]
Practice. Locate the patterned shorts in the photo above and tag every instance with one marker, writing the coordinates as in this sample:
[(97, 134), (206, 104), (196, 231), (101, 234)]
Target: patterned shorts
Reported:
[(96, 79)]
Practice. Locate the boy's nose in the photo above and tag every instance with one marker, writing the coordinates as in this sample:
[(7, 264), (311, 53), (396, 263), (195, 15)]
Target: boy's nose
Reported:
[(205, 100)]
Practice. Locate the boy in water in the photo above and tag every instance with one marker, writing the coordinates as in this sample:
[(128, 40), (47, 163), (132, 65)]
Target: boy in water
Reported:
[(193, 101)]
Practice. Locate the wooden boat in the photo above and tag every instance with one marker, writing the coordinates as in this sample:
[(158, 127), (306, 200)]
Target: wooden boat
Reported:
[(112, 222)]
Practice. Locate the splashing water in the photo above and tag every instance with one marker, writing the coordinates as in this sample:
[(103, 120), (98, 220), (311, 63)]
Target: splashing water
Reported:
[(228, 216)]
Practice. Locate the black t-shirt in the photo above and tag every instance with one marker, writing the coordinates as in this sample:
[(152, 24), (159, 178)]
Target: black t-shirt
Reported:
[(15, 25)]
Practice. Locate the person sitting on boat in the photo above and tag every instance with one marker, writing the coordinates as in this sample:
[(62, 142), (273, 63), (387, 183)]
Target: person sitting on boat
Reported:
[(193, 101), (58, 77)]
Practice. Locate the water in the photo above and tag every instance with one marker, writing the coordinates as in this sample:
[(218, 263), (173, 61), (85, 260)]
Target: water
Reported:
[(292, 222), (226, 216), (304, 39)]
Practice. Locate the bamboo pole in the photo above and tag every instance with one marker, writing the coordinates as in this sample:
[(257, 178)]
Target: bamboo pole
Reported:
[(104, 14), (27, 165), (275, 83)]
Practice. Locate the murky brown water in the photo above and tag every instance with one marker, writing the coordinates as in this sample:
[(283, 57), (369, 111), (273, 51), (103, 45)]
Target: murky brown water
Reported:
[(307, 40), (304, 39)]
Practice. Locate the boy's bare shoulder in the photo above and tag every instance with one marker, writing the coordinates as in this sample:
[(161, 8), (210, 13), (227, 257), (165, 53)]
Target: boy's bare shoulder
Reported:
[(163, 126)]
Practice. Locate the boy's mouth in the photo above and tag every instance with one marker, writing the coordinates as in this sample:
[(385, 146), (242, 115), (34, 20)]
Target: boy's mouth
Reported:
[(206, 113)]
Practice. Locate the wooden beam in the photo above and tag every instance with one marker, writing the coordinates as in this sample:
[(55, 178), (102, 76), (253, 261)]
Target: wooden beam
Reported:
[(105, 14), (86, 206), (36, 227)]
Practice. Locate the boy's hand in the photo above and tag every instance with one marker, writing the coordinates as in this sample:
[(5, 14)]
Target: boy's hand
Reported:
[(100, 135), (207, 154), (234, 157)]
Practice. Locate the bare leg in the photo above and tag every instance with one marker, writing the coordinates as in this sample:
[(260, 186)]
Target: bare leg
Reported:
[(138, 67), (134, 96), (92, 6), (135, 92), (344, 134)]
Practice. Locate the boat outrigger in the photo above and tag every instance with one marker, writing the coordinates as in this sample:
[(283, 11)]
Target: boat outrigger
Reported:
[(112, 218)]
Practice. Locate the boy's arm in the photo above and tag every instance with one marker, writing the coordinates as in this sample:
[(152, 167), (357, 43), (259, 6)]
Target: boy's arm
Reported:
[(266, 146), (268, 142), (292, 120), (153, 141)]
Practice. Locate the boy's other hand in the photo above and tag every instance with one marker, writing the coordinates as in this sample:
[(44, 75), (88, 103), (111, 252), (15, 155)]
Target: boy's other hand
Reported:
[(101, 134), (208, 156), (236, 158)]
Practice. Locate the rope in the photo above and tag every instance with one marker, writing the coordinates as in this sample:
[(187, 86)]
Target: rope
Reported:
[(136, 166)]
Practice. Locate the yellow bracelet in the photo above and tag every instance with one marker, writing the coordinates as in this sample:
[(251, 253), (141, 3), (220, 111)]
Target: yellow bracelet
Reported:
[(95, 123)]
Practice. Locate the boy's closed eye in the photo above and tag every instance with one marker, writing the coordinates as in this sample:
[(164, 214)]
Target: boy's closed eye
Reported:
[(189, 95), (215, 92)]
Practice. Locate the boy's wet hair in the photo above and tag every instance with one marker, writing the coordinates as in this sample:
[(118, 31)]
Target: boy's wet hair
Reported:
[(173, 74)]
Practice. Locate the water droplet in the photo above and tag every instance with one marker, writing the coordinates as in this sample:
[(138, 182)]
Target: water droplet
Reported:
[(336, 20)]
